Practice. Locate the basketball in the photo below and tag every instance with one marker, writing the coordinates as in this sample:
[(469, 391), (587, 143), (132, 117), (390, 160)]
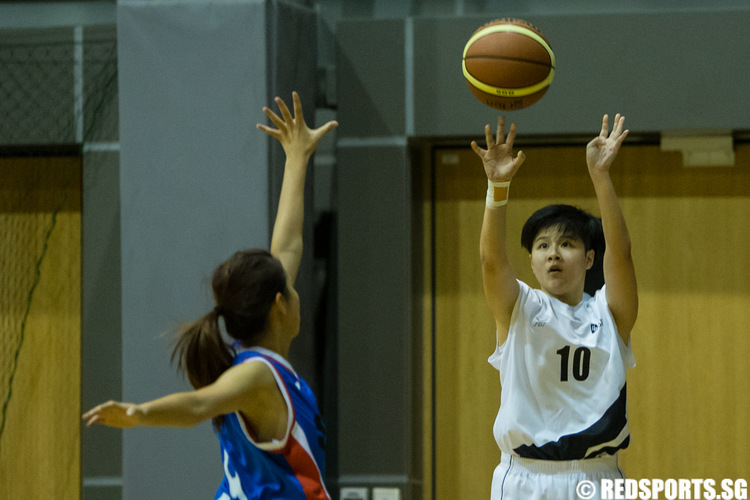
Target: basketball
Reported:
[(508, 64)]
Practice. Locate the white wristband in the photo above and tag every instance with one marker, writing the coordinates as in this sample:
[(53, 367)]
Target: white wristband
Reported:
[(497, 193)]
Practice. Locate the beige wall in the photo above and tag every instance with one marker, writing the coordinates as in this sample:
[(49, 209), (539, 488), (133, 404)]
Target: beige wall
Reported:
[(40, 441)]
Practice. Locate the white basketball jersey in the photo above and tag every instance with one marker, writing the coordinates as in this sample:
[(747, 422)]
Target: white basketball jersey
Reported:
[(562, 371)]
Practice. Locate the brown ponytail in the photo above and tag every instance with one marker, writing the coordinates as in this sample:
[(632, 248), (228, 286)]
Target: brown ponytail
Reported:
[(245, 287), (201, 351)]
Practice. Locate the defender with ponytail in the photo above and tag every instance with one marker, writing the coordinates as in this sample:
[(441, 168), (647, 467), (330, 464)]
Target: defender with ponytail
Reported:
[(265, 415), (245, 287)]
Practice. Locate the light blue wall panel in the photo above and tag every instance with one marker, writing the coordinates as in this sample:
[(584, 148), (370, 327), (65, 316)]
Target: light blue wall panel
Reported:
[(194, 188)]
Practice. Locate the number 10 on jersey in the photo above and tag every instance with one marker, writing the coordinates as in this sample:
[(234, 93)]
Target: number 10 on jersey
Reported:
[(581, 363)]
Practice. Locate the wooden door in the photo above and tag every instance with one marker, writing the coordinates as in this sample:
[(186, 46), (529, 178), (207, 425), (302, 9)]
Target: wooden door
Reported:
[(689, 395), (40, 323)]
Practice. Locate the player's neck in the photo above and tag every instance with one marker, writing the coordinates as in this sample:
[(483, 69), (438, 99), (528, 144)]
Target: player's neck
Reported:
[(277, 344), (572, 299)]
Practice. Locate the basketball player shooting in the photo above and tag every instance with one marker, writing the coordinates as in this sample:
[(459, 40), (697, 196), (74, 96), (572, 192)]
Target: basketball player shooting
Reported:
[(562, 354)]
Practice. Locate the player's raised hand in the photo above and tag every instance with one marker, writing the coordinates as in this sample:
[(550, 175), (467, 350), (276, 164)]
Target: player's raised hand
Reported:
[(292, 132), (602, 150), (498, 160)]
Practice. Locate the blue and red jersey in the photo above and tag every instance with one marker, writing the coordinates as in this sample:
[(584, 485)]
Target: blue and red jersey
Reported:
[(291, 468)]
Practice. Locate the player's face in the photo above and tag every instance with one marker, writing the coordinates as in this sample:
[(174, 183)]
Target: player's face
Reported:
[(559, 263)]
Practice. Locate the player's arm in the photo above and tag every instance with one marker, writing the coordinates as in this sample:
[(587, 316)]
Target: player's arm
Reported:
[(299, 143), (619, 271), (500, 286), (248, 387)]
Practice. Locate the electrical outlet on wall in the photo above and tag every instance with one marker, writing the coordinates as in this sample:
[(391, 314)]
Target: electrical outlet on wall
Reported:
[(354, 494), (386, 494)]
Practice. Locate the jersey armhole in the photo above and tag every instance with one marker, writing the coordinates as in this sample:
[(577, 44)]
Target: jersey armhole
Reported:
[(274, 445), (523, 292), (497, 354), (626, 350)]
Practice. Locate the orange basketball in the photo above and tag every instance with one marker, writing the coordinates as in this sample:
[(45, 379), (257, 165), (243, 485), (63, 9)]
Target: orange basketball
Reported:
[(508, 64)]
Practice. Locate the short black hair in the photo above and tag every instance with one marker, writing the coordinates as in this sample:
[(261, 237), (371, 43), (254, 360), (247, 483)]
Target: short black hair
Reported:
[(573, 222)]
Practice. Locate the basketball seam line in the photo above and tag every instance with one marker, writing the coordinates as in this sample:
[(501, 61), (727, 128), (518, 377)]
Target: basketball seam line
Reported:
[(546, 65)]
